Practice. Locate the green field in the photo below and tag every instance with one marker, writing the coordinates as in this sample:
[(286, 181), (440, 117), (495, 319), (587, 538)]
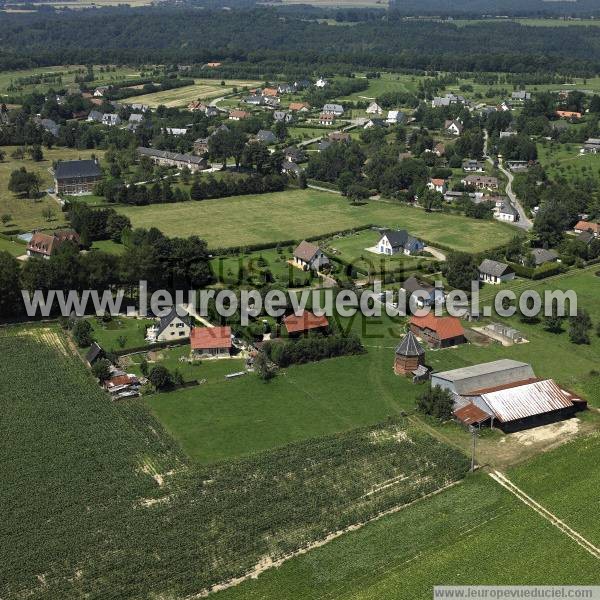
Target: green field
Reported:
[(203, 89), (531, 22), (564, 161), (108, 335), (27, 214), (296, 214), (473, 534), (13, 247), (105, 502), (109, 246), (388, 82)]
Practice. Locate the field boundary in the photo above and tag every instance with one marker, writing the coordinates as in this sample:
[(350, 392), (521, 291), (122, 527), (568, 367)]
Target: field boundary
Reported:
[(506, 483), (268, 563)]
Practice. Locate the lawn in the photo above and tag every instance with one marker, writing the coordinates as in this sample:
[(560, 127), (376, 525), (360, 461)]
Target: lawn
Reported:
[(109, 246), (27, 214), (13, 247), (473, 534), (563, 161), (109, 335), (203, 89), (388, 82), (296, 214)]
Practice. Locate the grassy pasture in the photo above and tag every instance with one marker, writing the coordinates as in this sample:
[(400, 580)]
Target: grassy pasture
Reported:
[(13, 247), (295, 214), (203, 89), (565, 161), (27, 213)]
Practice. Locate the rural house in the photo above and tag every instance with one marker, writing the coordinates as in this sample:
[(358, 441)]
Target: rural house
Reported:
[(492, 271), (453, 127), (394, 242), (174, 159), (76, 176), (309, 257), (211, 342), (541, 256), (395, 117), (282, 116), (437, 185), (265, 136), (174, 326), (374, 109), (307, 322), (44, 245), (593, 228), (299, 106), (521, 96), (326, 119), (506, 212), (238, 115), (333, 109), (428, 295), (481, 182), (438, 332)]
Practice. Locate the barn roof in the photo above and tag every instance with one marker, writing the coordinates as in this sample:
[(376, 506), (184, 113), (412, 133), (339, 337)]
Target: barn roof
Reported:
[(471, 414), (527, 400), (304, 322), (445, 327)]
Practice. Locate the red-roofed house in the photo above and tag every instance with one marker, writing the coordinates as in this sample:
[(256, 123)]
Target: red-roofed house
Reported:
[(593, 228), (211, 341), (438, 185), (438, 332), (44, 245), (568, 114), (238, 115), (297, 325)]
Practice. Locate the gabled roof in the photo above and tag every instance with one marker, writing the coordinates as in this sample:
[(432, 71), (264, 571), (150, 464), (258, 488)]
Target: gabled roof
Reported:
[(167, 320), (541, 255), (494, 268), (409, 346), (47, 243), (306, 251), (445, 327), (94, 352), (399, 238), (65, 169), (471, 414), (412, 285), (304, 322), (203, 338), (588, 226)]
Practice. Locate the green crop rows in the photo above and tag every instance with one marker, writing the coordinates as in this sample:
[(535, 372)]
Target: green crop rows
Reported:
[(102, 503)]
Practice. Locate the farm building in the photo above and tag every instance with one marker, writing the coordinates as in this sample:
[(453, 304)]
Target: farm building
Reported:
[(410, 357), (309, 257), (44, 245), (517, 406), (76, 176), (174, 159), (211, 341), (492, 271), (438, 332), (504, 333), (307, 322), (485, 375), (398, 242)]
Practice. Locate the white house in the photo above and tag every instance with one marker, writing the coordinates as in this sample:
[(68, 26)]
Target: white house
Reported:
[(454, 127), (438, 185), (395, 117), (173, 327), (374, 109), (507, 212), (492, 271), (176, 130), (333, 109), (309, 257), (398, 242), (321, 83)]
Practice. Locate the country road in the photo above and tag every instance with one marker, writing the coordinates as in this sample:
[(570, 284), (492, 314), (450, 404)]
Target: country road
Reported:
[(524, 221)]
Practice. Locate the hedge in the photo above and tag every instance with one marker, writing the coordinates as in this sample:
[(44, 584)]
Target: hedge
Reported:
[(538, 273)]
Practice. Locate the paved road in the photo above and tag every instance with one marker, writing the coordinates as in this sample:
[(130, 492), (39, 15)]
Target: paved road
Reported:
[(524, 221)]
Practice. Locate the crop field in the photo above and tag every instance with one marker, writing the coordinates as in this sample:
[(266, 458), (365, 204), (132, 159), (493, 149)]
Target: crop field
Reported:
[(296, 214), (26, 213), (203, 89), (475, 533), (104, 501), (67, 74)]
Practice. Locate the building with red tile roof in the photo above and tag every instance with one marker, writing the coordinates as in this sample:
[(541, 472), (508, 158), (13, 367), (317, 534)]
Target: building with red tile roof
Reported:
[(306, 322), (438, 332), (211, 341)]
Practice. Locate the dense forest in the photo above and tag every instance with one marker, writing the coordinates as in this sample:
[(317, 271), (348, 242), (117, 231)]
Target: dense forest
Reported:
[(265, 36)]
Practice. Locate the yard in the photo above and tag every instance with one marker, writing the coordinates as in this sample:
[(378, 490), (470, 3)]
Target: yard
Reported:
[(26, 213), (120, 332), (297, 214), (203, 89), (13, 247)]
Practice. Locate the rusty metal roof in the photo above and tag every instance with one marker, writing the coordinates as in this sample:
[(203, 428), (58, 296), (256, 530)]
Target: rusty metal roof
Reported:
[(527, 400), (471, 414)]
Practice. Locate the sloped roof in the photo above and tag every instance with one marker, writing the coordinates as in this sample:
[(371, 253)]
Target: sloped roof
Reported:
[(541, 255), (167, 319), (412, 285), (494, 268), (528, 400), (203, 338), (471, 414), (445, 327), (398, 239), (304, 322), (94, 352), (588, 226), (409, 346), (65, 169), (306, 251)]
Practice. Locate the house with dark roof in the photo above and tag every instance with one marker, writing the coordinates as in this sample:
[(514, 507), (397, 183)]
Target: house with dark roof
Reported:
[(309, 257), (395, 242), (453, 127), (94, 353), (294, 154), (492, 271), (282, 115), (76, 176), (541, 256), (333, 109), (266, 136), (44, 245), (174, 159), (174, 326), (290, 168), (438, 332), (425, 293), (307, 322)]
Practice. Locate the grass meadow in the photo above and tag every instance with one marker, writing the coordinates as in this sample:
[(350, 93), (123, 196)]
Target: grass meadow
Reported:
[(27, 213), (296, 214)]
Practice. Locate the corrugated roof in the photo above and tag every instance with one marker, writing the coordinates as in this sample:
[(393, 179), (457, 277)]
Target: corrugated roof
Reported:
[(494, 366), (471, 414), (527, 400)]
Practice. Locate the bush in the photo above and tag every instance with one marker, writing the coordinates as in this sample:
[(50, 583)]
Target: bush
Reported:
[(82, 333)]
